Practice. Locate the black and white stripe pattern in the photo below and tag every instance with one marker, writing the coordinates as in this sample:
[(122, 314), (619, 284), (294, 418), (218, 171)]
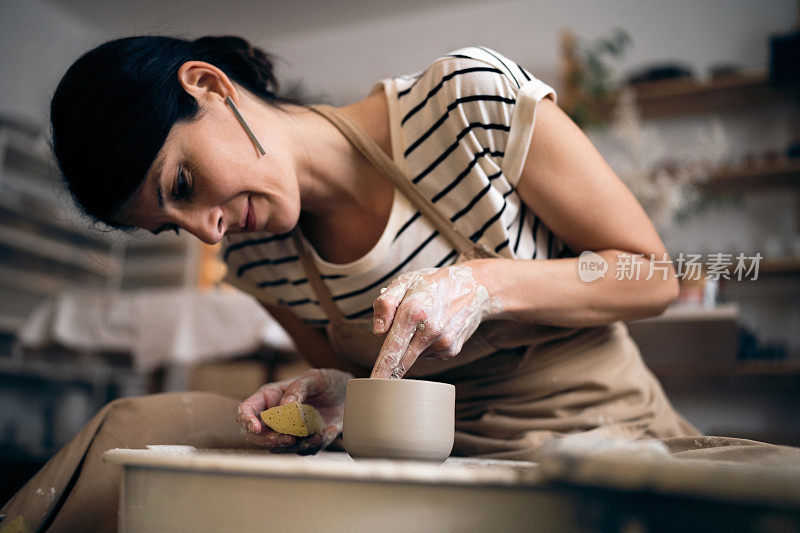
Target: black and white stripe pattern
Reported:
[(455, 118)]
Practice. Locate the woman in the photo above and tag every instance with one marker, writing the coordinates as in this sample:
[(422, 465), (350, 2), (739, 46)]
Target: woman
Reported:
[(423, 231)]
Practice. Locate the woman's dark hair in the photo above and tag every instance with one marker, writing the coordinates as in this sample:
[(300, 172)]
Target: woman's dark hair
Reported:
[(115, 106)]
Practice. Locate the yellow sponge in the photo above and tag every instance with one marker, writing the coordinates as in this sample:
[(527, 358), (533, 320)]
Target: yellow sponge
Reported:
[(298, 419)]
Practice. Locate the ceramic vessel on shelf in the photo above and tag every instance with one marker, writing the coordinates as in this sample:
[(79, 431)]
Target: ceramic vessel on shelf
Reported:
[(399, 419)]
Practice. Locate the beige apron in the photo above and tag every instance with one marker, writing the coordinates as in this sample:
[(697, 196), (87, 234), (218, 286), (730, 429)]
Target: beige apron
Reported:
[(516, 384)]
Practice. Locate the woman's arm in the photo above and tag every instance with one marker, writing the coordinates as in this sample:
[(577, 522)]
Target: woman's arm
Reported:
[(571, 188), (566, 182), (312, 344)]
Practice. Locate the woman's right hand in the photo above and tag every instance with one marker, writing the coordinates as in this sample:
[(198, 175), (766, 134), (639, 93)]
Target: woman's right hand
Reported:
[(324, 388)]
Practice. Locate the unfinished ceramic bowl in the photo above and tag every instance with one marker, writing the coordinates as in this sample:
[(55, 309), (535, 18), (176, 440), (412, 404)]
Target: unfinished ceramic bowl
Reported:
[(399, 419)]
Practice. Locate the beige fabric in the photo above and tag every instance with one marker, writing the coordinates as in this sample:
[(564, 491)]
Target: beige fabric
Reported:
[(734, 450), (77, 491), (517, 385), (594, 383)]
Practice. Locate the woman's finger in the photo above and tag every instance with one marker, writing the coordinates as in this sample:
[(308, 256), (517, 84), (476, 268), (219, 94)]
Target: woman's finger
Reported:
[(422, 339), (385, 306), (396, 342), (249, 410), (310, 445), (302, 445), (272, 440), (247, 413), (320, 441), (297, 391), (306, 386), (330, 433)]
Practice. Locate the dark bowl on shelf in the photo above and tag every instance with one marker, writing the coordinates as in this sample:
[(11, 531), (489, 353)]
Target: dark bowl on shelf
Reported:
[(666, 71)]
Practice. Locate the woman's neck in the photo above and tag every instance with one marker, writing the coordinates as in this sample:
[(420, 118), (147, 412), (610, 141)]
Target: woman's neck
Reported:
[(332, 174)]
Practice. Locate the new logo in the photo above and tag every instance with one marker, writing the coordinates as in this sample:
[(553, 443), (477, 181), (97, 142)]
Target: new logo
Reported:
[(591, 266)]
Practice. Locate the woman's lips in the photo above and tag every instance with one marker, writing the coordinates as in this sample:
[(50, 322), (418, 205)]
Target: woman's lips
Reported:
[(251, 216)]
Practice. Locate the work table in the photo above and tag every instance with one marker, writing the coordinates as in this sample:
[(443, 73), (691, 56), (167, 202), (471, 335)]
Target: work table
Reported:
[(178, 488)]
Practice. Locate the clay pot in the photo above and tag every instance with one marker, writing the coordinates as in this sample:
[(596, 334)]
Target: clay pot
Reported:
[(399, 419)]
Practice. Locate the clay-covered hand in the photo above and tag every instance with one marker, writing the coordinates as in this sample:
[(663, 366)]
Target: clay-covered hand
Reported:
[(428, 313), (324, 388)]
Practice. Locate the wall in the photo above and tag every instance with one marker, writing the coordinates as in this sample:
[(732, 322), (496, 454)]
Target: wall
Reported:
[(38, 41), (340, 48), (344, 61)]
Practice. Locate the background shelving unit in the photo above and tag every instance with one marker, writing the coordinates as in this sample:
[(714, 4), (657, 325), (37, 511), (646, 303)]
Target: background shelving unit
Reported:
[(764, 369), (778, 267), (47, 246), (694, 352), (781, 174), (669, 98)]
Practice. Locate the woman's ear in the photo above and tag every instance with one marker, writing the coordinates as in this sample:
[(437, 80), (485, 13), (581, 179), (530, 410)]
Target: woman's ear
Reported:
[(203, 81)]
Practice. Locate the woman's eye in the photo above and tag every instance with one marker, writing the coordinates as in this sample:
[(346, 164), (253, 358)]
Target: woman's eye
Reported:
[(182, 185)]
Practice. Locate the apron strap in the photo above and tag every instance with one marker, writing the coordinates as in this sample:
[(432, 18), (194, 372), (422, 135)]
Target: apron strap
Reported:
[(315, 279), (375, 155)]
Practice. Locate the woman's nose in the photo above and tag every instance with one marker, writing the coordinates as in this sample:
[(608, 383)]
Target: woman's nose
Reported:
[(207, 225)]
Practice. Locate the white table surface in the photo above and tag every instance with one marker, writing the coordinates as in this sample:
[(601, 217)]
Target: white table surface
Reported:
[(331, 465)]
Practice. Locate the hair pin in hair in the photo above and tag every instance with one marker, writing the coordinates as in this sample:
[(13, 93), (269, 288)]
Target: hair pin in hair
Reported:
[(244, 124)]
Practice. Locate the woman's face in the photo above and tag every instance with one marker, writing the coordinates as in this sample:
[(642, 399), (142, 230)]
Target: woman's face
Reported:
[(208, 179)]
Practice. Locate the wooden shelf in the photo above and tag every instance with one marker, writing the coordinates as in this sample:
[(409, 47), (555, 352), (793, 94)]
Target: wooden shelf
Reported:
[(168, 241), (33, 281), (785, 174), (695, 313), (786, 367), (24, 207), (9, 324), (684, 96), (97, 262), (47, 245), (155, 266), (31, 157), (765, 368), (785, 266)]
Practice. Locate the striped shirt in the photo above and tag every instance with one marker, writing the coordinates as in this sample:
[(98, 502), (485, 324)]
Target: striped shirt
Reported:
[(460, 131)]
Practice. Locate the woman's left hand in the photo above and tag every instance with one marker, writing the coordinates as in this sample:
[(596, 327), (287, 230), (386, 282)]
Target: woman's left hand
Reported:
[(428, 313), (323, 388)]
